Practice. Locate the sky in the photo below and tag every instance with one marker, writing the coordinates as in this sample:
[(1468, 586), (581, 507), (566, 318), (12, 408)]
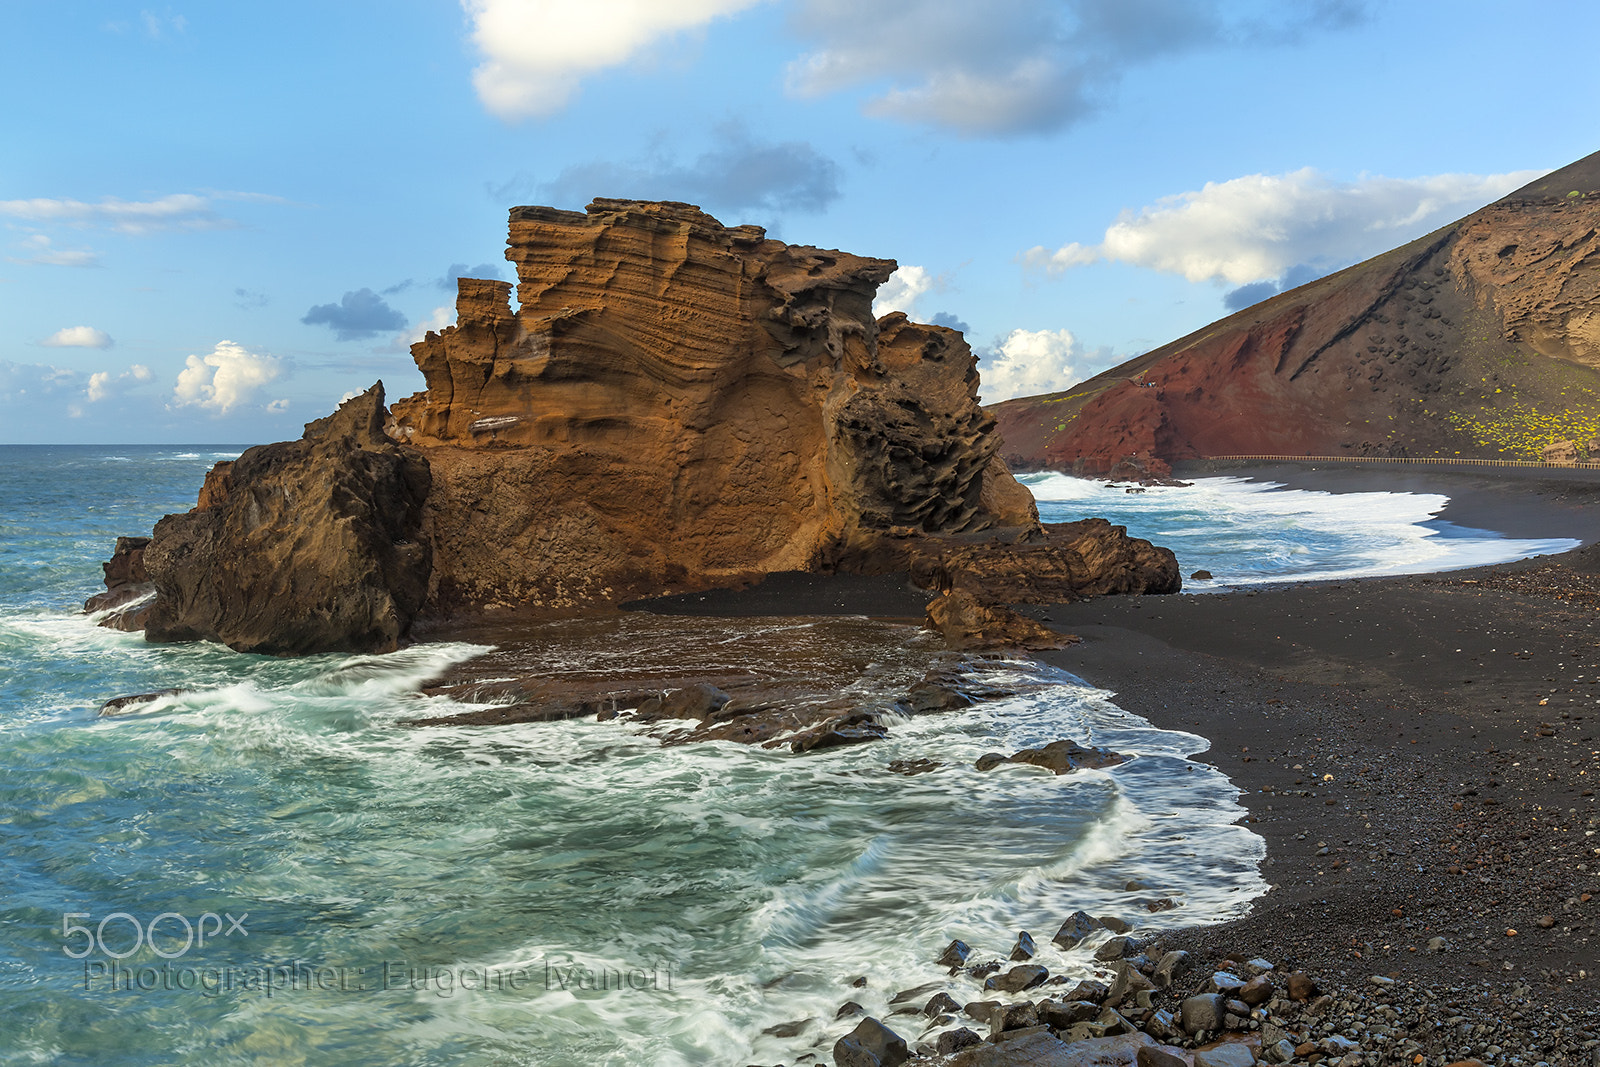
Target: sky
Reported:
[(217, 220)]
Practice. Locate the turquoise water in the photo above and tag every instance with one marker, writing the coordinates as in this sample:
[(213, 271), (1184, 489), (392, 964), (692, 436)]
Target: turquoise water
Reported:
[(557, 893)]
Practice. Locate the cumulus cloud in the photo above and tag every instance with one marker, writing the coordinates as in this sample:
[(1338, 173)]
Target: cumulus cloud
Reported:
[(447, 280), (103, 383), (78, 337), (437, 320), (944, 318), (1018, 66), (901, 291), (29, 383), (1030, 362), (535, 52), (1261, 226), (740, 173), (179, 211), (224, 379), (359, 314), (37, 248)]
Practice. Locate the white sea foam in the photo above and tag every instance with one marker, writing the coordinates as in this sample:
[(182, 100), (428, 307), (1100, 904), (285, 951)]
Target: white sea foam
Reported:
[(1248, 533)]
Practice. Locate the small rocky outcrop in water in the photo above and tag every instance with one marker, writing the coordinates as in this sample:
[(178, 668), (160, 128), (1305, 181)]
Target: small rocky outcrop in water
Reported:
[(303, 546), (128, 587), (674, 405)]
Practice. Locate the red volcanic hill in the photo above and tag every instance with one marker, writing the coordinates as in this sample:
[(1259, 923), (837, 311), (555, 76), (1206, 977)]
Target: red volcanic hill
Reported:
[(1481, 339)]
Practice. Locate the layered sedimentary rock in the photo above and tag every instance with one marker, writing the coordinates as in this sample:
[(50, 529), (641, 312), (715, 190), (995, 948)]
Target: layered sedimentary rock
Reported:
[(673, 404), (1481, 340), (302, 546), (676, 403)]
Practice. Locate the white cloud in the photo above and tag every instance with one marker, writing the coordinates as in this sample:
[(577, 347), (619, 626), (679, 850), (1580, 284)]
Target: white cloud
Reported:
[(1261, 225), (1018, 66), (901, 291), (278, 407), (78, 337), (226, 378), (102, 384), (27, 383), (43, 252), (536, 51), (436, 320), (1030, 362), (179, 211)]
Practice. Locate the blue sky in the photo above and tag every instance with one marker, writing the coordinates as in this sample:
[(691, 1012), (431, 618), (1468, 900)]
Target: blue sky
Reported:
[(216, 220)]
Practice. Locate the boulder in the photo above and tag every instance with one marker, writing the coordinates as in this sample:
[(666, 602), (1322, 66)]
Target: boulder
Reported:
[(1024, 949), (1018, 978), (870, 1044), (1204, 1011), (955, 954), (953, 1041), (1171, 965), (1079, 925), (1127, 983)]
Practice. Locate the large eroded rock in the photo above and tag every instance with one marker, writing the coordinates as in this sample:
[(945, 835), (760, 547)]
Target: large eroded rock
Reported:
[(676, 404), (302, 546)]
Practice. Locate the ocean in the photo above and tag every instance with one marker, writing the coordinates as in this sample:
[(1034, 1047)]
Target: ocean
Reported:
[(266, 868)]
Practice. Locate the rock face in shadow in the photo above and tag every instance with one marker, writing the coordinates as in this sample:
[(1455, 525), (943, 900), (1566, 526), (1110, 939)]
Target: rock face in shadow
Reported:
[(677, 404), (128, 593), (1481, 339), (302, 546)]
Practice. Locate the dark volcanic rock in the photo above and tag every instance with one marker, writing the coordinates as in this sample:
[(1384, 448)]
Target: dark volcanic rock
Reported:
[(852, 729), (1059, 757), (303, 546), (967, 623), (870, 1044), (1079, 925), (116, 704), (128, 587)]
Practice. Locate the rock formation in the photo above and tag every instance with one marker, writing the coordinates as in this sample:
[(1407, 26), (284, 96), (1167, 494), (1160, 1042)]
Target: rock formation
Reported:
[(129, 591), (673, 405), (1481, 339), (676, 403), (303, 546)]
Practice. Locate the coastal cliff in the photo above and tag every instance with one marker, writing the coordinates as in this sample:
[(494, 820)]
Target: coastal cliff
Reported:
[(673, 405), (1481, 339), (676, 403)]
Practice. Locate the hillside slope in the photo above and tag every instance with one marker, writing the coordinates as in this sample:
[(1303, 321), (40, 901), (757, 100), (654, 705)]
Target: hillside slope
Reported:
[(1481, 339)]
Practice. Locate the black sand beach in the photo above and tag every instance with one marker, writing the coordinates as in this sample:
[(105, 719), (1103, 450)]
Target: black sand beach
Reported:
[(1420, 753)]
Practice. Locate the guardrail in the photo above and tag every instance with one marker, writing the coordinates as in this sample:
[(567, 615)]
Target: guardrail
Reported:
[(1451, 460)]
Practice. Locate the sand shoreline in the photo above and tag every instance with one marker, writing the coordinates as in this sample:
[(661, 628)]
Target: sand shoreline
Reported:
[(1459, 806)]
